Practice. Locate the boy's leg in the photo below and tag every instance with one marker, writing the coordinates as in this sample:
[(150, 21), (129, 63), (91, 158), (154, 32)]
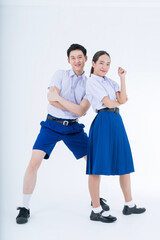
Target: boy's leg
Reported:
[(31, 171), (85, 157), (29, 185), (42, 148)]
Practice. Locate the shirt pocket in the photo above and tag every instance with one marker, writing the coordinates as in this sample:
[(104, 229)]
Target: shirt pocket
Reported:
[(79, 94)]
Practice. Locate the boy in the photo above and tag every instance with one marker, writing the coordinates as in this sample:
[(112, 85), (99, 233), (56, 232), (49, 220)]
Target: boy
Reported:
[(61, 123)]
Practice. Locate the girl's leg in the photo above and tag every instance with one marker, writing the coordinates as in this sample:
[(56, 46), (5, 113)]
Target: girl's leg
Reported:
[(94, 182), (97, 214), (129, 207), (125, 183)]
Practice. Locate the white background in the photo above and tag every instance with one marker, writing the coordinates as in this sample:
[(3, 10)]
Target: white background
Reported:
[(35, 36)]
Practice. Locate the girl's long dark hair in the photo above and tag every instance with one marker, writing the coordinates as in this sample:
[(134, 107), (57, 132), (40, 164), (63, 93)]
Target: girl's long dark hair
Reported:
[(96, 57)]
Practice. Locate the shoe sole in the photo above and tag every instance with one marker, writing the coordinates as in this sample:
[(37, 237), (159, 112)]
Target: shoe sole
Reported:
[(21, 220), (103, 221), (134, 213)]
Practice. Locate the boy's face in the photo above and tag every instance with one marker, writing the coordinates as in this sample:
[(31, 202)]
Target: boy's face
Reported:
[(77, 60)]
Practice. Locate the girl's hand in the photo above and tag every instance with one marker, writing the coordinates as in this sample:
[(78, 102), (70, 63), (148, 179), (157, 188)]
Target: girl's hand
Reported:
[(53, 95), (121, 72)]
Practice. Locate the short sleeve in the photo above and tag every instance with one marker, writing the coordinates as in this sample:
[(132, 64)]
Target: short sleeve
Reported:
[(57, 79), (94, 90), (85, 96), (116, 86)]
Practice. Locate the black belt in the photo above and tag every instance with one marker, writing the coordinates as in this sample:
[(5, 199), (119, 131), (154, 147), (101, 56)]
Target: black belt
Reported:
[(115, 110), (64, 122)]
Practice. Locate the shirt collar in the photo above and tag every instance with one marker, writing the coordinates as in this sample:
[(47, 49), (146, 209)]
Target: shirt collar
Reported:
[(73, 74), (99, 78)]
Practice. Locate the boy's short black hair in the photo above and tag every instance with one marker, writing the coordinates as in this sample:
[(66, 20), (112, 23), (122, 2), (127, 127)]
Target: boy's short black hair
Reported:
[(76, 47)]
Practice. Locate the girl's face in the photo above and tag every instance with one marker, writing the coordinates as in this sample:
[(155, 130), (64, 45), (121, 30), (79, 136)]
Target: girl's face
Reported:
[(101, 67)]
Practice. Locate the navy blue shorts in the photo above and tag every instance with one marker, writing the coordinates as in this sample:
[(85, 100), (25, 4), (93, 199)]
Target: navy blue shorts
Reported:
[(72, 135)]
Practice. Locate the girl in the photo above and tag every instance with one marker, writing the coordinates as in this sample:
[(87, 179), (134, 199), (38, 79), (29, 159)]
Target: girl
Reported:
[(109, 151)]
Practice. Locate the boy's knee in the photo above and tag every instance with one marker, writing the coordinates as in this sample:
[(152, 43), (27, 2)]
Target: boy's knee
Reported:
[(34, 164)]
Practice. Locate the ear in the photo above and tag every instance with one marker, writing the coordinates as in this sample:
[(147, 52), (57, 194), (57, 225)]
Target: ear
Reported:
[(68, 60), (86, 58), (93, 64)]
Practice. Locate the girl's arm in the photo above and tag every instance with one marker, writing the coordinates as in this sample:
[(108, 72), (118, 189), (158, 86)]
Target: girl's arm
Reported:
[(110, 103), (122, 95)]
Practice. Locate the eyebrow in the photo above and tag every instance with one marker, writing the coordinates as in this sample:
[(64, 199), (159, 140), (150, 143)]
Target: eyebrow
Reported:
[(77, 56), (103, 61)]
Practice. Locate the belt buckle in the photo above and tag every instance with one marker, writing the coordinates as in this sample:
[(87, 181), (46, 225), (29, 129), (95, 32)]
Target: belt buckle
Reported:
[(116, 110), (65, 123)]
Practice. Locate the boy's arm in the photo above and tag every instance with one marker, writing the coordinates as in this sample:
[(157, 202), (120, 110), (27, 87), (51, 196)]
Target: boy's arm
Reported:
[(55, 103), (78, 109)]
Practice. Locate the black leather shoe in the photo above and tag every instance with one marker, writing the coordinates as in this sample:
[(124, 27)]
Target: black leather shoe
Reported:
[(134, 210), (23, 215), (99, 217), (103, 204)]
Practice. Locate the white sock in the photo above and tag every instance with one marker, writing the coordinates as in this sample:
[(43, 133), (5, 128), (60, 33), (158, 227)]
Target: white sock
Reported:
[(130, 204), (26, 200), (97, 210)]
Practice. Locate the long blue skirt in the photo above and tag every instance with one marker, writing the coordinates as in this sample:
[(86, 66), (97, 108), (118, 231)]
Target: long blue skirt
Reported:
[(109, 150)]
